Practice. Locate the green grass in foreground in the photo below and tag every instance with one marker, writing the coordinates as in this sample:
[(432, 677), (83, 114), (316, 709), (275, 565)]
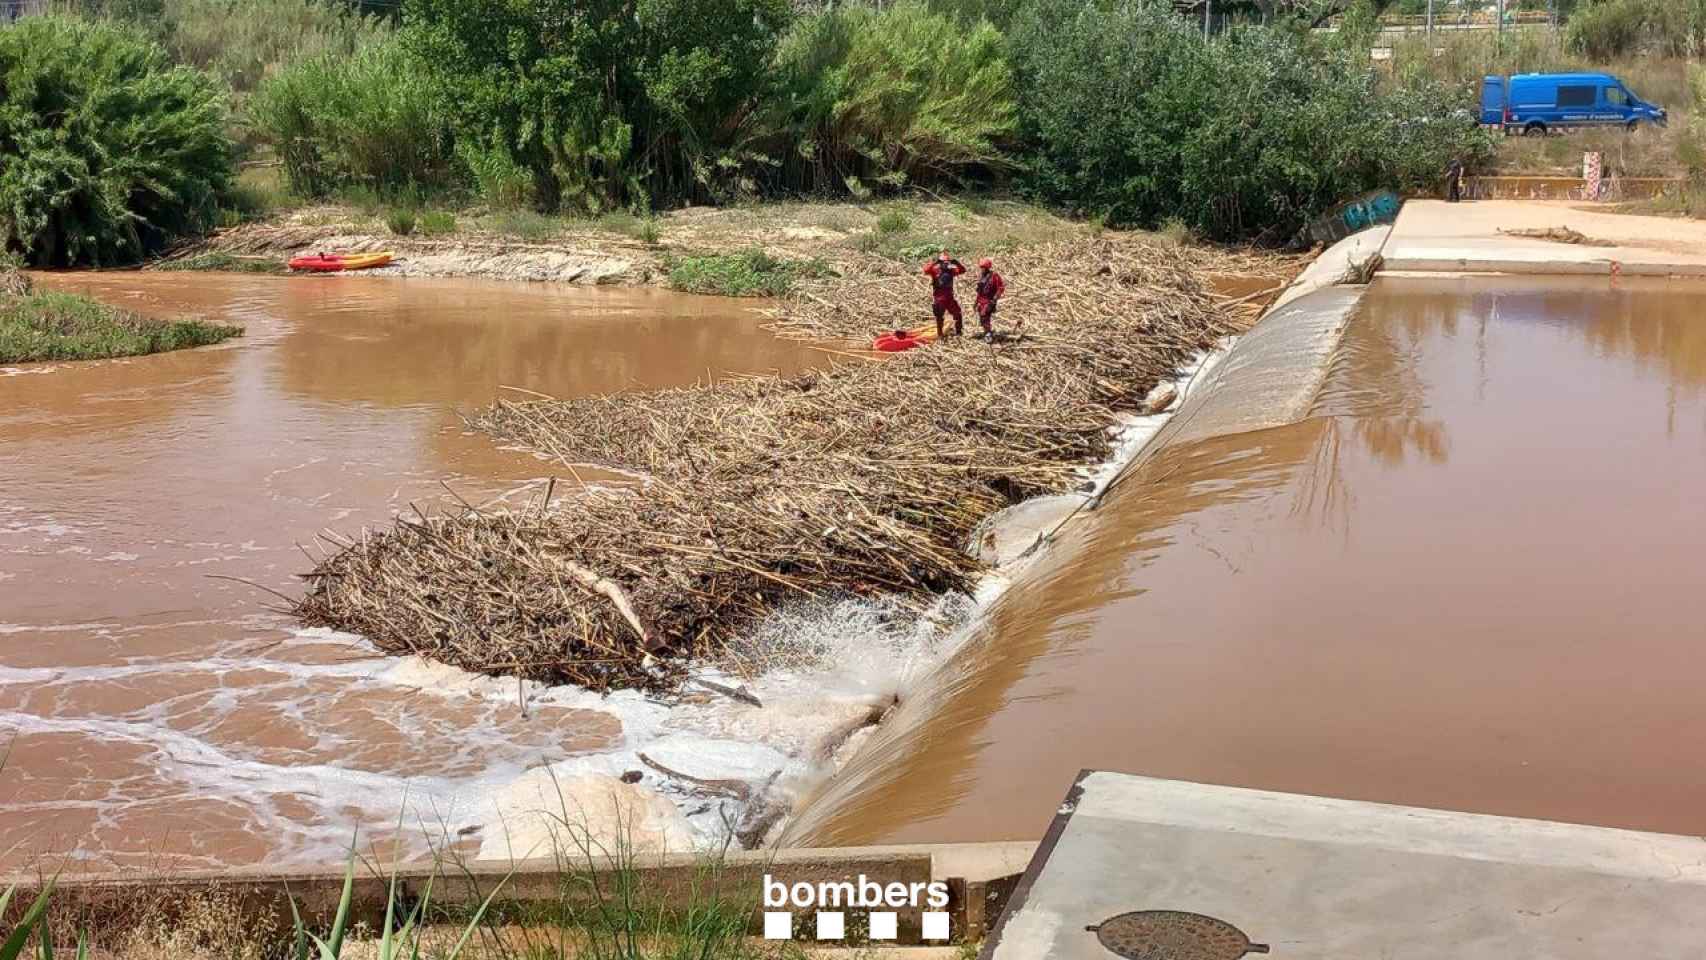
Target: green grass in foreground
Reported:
[(748, 273), (225, 262), (65, 326)]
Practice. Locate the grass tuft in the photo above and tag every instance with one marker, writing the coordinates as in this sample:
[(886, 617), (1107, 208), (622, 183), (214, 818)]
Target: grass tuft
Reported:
[(65, 326), (436, 223), (525, 224), (748, 273), (400, 221)]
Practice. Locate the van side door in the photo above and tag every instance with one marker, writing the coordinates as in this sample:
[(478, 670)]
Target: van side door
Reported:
[(1577, 103)]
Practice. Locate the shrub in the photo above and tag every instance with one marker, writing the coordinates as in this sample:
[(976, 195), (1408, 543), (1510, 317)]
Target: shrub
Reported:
[(257, 193), (1127, 110), (1614, 28), (364, 119), (400, 221), (244, 41), (1691, 140), (107, 151), (435, 223), (749, 273), (619, 104), (502, 182), (893, 96), (893, 221), (526, 224)]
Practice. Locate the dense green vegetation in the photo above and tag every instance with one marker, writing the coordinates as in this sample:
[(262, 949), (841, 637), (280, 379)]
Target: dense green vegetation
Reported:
[(1114, 109), (107, 149), (364, 118), (64, 326), (1243, 135), (1130, 113), (607, 103), (1606, 29), (239, 41)]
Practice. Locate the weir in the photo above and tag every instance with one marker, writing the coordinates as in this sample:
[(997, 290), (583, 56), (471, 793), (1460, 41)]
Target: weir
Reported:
[(1442, 587)]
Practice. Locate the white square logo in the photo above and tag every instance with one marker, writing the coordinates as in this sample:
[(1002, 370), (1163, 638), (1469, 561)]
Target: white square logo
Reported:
[(935, 925), (831, 925), (778, 925), (885, 925)]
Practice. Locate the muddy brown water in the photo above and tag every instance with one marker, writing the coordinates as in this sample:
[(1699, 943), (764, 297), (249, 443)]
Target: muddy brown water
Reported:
[(158, 708), (1471, 580)]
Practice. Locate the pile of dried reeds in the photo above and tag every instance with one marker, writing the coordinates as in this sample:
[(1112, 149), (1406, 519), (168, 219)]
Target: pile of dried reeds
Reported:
[(863, 477)]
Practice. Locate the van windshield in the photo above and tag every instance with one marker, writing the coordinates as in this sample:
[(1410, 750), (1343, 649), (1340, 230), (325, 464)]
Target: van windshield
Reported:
[(1617, 96)]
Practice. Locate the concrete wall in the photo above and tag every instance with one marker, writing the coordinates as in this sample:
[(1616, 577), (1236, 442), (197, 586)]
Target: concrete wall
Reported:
[(1567, 188), (978, 875)]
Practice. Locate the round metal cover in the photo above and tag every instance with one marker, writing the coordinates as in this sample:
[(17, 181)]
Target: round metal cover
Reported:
[(1173, 935)]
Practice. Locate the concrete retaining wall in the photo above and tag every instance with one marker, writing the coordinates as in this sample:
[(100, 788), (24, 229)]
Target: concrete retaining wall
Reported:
[(978, 875)]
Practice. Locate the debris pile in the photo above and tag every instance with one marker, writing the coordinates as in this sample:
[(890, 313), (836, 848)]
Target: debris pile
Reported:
[(861, 478)]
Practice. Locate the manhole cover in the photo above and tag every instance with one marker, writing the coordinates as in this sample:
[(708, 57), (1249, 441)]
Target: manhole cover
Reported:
[(1173, 935)]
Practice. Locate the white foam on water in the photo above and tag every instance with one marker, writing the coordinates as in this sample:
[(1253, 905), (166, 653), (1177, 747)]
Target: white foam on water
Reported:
[(824, 671)]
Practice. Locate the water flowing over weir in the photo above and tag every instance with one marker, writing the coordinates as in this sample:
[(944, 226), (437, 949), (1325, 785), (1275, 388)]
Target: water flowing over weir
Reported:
[(1465, 575), (158, 709)]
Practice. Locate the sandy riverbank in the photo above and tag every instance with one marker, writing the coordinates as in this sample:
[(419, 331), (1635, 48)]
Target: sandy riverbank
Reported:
[(629, 251)]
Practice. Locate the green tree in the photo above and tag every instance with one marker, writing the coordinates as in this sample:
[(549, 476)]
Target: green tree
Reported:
[(1131, 114), (607, 102), (899, 96), (368, 119), (107, 150)]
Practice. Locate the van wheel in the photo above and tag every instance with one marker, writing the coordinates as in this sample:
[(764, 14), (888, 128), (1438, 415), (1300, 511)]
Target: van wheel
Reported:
[(1632, 126), (1534, 130)]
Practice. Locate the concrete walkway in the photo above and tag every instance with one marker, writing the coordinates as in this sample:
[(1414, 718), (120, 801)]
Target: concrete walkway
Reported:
[(1323, 879), (1432, 236)]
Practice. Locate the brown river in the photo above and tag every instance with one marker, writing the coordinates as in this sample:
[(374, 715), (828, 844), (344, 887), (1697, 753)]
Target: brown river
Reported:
[(156, 700), (1472, 579)]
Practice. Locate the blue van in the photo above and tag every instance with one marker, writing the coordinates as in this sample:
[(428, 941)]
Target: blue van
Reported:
[(1535, 103)]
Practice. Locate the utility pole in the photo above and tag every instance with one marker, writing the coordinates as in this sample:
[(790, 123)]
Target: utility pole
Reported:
[(1501, 37), (1207, 6), (1430, 28)]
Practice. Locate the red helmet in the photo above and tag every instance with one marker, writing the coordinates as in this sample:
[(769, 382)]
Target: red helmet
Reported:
[(986, 263)]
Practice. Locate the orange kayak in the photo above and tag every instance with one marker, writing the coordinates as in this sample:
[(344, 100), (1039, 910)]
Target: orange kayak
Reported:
[(330, 262), (900, 340)]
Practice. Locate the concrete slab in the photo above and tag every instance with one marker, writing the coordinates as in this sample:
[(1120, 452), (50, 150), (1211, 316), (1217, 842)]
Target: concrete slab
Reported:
[(1433, 236), (1326, 879)]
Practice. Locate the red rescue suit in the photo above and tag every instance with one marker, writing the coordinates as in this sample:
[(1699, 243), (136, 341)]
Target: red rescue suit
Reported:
[(942, 274), (990, 287)]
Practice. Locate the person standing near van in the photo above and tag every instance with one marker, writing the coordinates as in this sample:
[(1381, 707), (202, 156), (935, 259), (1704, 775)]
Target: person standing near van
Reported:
[(942, 272), (990, 287)]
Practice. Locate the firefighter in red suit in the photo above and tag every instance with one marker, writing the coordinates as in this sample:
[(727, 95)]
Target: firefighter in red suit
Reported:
[(990, 287), (942, 272)]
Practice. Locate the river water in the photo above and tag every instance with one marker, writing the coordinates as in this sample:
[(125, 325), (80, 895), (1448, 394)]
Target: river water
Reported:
[(1470, 579), (157, 705)]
